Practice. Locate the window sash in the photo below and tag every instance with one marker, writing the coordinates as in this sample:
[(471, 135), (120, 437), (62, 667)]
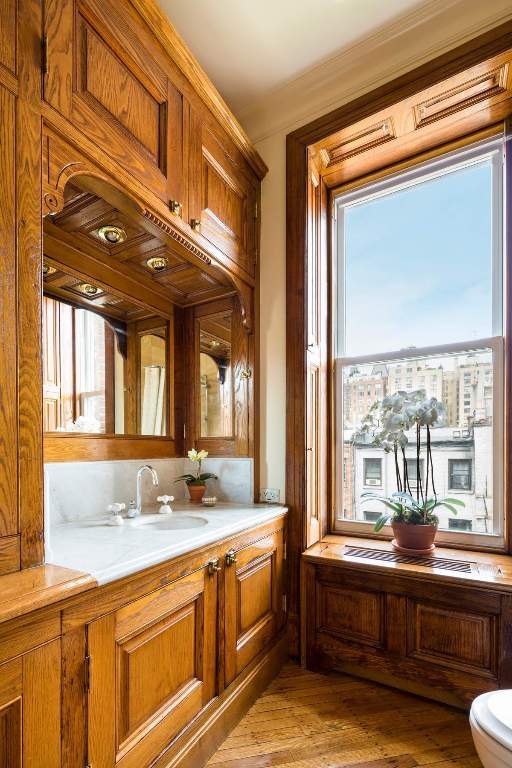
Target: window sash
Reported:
[(496, 345), (488, 149)]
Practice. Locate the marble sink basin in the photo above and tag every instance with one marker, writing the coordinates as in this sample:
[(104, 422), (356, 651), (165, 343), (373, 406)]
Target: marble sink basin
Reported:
[(170, 522)]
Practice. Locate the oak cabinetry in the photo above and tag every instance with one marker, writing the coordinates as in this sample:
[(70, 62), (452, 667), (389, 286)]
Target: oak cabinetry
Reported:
[(155, 660), (253, 587), (447, 640), (98, 75), (104, 94), (30, 729), (223, 200), (152, 670)]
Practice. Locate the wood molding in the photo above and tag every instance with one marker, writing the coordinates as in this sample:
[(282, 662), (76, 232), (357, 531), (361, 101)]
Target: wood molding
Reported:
[(9, 554), (76, 447), (180, 54), (462, 58), (40, 587)]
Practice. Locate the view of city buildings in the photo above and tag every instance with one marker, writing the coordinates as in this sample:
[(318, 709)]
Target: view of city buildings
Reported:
[(461, 445)]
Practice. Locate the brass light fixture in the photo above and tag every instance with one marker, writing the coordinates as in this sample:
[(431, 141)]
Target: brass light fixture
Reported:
[(48, 270), (157, 263), (88, 290), (111, 234)]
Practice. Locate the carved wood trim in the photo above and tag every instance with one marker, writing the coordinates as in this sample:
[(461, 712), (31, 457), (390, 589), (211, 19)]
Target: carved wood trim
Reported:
[(360, 141), (151, 216), (485, 86)]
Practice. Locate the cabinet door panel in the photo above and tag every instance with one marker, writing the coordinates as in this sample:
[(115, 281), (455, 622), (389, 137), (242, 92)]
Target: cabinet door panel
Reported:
[(253, 589), (224, 202), (448, 637), (353, 614), (30, 709), (102, 77), (157, 656)]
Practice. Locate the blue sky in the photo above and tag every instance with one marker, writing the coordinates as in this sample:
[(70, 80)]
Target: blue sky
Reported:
[(419, 265)]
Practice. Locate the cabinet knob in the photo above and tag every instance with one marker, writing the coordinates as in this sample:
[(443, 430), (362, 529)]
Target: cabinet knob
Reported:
[(246, 373), (195, 224), (230, 557), (175, 207), (213, 566)]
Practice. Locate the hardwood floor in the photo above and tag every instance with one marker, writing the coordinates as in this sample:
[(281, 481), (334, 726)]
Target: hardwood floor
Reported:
[(305, 720)]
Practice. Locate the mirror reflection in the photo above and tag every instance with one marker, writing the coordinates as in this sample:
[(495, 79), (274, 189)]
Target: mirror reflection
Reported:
[(216, 377), (105, 362)]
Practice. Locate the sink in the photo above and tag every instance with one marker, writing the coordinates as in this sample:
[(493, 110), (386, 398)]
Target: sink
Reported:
[(175, 523)]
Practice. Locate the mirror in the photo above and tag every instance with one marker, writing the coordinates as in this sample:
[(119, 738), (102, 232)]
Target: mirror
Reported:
[(216, 375), (105, 364)]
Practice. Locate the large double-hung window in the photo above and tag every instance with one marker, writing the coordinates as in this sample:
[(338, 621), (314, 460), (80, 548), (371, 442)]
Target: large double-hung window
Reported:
[(418, 305)]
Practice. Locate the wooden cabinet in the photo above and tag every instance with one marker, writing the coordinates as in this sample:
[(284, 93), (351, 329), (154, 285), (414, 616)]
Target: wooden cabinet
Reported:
[(30, 714), (104, 73), (223, 200), (152, 670), (448, 640), (253, 587)]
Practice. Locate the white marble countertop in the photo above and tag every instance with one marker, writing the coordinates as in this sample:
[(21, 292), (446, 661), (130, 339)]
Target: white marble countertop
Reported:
[(111, 552)]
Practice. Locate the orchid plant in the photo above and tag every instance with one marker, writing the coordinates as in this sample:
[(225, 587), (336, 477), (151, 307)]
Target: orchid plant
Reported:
[(200, 477), (386, 424)]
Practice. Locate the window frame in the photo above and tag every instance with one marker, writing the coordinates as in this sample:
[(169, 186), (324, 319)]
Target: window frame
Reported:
[(494, 150)]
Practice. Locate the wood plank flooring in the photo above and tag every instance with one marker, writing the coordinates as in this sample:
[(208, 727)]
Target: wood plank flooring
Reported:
[(305, 720)]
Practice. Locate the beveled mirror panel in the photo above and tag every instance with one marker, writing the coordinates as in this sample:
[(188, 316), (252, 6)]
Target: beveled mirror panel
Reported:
[(216, 375)]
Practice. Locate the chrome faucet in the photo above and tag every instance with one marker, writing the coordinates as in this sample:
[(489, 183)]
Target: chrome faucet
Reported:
[(138, 503)]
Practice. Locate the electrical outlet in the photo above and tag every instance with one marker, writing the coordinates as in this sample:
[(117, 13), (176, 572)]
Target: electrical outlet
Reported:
[(270, 495)]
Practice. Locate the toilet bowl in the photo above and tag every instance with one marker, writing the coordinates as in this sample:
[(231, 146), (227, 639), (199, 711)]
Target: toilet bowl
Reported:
[(491, 725)]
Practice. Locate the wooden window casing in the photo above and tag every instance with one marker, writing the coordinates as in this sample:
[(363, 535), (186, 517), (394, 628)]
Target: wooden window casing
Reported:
[(482, 64)]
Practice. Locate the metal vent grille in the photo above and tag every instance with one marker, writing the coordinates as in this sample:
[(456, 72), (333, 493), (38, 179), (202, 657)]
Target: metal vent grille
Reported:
[(461, 566)]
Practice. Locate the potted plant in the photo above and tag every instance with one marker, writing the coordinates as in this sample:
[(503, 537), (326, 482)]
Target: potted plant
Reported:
[(412, 514), (196, 483)]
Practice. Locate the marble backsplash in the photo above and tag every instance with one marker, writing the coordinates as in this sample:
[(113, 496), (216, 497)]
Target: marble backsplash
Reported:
[(81, 490)]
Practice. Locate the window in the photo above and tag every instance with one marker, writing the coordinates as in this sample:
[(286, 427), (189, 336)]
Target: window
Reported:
[(460, 525), (370, 516), (459, 474), (426, 302), (412, 472), (373, 472)]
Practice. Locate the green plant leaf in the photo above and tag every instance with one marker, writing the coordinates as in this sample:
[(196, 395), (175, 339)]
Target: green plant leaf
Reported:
[(458, 502), (448, 506), (381, 522), (207, 476), (187, 478)]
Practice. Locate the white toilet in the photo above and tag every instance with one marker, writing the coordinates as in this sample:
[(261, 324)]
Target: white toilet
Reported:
[(491, 723)]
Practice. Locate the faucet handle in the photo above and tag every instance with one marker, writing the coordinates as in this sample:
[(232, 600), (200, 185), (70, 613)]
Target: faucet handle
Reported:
[(116, 507), (165, 499)]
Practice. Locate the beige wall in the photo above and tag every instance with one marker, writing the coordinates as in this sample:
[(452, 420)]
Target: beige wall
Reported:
[(395, 50), (273, 316)]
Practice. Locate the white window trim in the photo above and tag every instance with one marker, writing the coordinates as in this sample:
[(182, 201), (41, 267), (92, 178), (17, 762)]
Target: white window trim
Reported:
[(489, 149)]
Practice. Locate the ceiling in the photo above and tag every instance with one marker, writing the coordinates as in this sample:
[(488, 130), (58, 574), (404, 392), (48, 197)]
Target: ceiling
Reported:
[(77, 228), (249, 49)]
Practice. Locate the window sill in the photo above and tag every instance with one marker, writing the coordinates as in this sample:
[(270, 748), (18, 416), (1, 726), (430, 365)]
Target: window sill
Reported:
[(489, 568)]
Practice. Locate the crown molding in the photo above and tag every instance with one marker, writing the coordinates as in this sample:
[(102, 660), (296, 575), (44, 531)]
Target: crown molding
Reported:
[(404, 44)]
